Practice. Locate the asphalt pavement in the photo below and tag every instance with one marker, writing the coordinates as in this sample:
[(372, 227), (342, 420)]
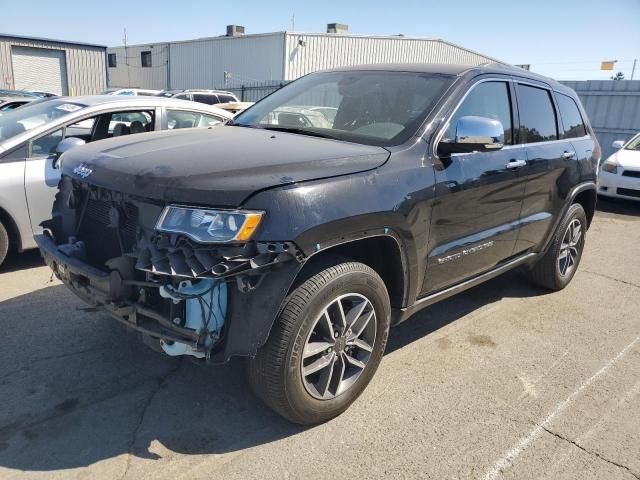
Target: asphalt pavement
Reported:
[(503, 381)]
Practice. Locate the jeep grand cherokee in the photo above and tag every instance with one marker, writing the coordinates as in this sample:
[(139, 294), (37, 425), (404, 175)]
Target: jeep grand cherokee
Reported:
[(298, 244)]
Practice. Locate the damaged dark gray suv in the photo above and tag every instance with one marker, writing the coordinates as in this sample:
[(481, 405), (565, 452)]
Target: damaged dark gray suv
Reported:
[(333, 209)]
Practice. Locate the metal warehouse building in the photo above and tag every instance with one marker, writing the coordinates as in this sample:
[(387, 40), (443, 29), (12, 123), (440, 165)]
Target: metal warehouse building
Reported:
[(235, 59), (56, 66)]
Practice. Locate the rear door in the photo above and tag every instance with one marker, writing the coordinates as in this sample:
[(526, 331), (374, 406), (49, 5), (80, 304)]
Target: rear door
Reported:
[(479, 195), (551, 168)]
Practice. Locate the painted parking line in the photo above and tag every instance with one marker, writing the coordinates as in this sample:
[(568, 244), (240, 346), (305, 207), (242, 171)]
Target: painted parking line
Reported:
[(510, 456)]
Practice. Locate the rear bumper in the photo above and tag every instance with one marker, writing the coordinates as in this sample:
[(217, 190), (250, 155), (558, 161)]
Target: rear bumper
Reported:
[(94, 287)]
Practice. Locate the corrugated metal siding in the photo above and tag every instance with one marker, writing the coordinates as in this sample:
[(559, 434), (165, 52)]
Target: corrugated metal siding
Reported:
[(202, 63), (321, 51), (613, 108), (85, 64), (39, 69), (130, 73)]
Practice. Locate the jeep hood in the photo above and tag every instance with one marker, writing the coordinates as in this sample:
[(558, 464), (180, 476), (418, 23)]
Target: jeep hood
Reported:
[(221, 166)]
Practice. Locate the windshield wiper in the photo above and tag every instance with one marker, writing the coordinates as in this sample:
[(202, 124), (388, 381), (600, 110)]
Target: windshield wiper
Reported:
[(300, 131)]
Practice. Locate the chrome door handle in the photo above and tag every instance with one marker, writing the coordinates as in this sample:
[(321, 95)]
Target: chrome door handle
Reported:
[(516, 164), (567, 155)]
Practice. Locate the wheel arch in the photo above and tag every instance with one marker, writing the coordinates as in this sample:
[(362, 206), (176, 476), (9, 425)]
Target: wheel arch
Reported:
[(583, 192), (15, 241), (587, 198), (383, 253)]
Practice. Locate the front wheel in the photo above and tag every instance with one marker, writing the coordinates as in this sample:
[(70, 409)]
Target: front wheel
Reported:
[(4, 243), (555, 270), (325, 346)]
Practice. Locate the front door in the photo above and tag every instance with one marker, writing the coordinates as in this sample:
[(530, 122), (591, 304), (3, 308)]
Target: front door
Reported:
[(479, 196), (42, 174), (41, 177)]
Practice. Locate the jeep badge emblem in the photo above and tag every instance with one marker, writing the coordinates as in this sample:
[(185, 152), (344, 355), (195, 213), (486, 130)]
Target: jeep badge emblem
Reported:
[(83, 170)]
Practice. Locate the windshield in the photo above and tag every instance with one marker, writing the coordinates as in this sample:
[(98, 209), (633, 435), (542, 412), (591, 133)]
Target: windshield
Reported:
[(33, 115), (371, 107), (16, 93), (634, 144)]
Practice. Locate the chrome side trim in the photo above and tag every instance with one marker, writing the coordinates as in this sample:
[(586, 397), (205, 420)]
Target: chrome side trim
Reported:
[(472, 282)]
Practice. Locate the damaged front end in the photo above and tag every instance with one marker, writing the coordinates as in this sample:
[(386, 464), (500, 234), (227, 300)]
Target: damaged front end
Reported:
[(185, 297)]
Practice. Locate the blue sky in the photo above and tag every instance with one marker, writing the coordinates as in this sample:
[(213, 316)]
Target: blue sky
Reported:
[(565, 39)]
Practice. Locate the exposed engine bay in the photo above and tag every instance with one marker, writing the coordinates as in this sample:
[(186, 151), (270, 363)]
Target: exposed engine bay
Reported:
[(184, 297)]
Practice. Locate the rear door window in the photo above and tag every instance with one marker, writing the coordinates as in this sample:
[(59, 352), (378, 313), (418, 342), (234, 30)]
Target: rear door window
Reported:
[(572, 122), (489, 100), (226, 98), (177, 119), (537, 115), (208, 98)]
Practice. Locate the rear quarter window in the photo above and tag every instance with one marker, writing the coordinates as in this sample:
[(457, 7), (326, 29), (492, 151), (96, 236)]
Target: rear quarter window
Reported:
[(206, 98), (572, 122)]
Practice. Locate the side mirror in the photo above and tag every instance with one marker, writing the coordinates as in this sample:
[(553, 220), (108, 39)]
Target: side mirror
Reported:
[(68, 144), (474, 134), (618, 144), (64, 146)]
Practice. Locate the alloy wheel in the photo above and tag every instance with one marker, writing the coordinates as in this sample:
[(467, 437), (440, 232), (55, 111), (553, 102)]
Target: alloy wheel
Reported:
[(569, 249), (339, 346)]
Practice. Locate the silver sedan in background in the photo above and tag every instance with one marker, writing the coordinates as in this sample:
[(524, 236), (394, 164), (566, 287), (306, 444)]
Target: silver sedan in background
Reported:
[(34, 136)]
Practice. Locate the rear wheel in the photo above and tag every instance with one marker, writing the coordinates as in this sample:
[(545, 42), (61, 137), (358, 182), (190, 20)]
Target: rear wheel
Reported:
[(325, 346), (555, 270), (4, 243)]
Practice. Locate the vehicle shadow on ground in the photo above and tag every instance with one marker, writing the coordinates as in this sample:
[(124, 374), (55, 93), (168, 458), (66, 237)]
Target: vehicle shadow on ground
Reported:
[(618, 206), (78, 389), (22, 261)]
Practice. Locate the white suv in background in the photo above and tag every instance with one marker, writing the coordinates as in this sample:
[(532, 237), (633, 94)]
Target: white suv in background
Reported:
[(131, 91), (208, 97), (619, 175)]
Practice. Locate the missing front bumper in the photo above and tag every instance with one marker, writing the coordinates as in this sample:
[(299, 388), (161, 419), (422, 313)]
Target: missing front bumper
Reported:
[(250, 311)]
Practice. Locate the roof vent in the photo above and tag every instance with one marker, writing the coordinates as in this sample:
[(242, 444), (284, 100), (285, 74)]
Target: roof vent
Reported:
[(338, 28), (235, 30)]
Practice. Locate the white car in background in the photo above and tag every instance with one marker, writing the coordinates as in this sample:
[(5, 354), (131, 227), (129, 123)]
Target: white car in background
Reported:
[(34, 136), (131, 91), (619, 175)]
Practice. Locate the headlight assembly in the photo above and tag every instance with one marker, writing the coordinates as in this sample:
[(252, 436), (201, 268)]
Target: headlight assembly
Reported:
[(610, 166), (210, 226)]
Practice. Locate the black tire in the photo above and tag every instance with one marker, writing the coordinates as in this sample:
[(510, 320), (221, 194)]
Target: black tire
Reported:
[(4, 243), (275, 373), (547, 272)]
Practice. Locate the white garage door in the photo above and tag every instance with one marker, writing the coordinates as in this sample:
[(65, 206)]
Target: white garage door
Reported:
[(39, 69)]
